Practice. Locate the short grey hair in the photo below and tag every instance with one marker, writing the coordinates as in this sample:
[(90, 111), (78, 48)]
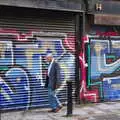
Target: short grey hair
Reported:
[(49, 55)]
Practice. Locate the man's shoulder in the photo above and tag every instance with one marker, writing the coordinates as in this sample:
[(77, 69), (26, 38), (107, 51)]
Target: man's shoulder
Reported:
[(56, 63)]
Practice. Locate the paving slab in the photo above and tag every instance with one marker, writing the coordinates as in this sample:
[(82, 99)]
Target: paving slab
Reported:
[(92, 111)]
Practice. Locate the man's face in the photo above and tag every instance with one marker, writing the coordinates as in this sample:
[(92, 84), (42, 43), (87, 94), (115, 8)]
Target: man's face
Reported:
[(48, 58)]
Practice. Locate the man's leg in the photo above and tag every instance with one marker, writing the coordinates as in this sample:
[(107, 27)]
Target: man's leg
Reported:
[(53, 99), (57, 101)]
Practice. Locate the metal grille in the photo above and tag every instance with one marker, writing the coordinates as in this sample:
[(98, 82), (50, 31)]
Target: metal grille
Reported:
[(24, 41)]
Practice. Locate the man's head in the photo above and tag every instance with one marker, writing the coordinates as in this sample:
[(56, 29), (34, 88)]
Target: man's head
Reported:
[(49, 57)]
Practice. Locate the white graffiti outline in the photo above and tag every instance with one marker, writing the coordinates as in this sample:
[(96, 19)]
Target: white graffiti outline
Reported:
[(9, 45), (108, 78), (28, 85), (63, 84), (82, 58), (2, 81), (83, 88)]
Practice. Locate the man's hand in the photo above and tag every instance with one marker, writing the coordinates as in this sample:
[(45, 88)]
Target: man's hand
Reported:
[(57, 86)]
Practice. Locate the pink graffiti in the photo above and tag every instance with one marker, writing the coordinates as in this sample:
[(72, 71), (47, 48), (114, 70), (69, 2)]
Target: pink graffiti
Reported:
[(107, 33), (86, 94), (69, 42), (17, 35)]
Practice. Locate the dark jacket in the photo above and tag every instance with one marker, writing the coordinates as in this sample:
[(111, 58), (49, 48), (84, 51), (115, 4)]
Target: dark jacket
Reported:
[(54, 76)]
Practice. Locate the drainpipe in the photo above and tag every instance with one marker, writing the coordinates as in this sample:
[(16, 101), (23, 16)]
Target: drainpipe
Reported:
[(80, 31)]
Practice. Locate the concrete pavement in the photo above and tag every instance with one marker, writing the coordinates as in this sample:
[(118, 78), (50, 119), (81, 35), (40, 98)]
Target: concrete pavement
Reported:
[(96, 111)]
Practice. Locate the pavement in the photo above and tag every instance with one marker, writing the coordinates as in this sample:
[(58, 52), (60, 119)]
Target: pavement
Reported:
[(89, 111)]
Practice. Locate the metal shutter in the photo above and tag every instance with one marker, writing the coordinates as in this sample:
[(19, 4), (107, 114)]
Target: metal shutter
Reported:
[(25, 37)]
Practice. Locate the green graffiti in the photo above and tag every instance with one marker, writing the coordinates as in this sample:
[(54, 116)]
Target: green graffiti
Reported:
[(89, 73), (3, 68)]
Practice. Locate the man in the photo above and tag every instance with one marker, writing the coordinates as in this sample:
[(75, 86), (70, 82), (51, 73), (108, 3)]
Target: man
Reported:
[(52, 83)]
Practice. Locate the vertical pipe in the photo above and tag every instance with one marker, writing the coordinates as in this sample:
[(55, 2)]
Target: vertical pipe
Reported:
[(79, 33), (77, 47), (69, 98)]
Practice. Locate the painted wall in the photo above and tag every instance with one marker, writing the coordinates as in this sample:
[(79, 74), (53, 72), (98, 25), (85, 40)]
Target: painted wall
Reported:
[(100, 66), (23, 66)]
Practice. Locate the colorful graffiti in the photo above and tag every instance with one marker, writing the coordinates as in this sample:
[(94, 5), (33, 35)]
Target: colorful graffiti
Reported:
[(105, 59), (85, 93), (100, 63), (23, 66)]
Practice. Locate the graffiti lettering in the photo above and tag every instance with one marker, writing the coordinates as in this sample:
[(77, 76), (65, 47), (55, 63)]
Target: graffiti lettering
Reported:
[(23, 66)]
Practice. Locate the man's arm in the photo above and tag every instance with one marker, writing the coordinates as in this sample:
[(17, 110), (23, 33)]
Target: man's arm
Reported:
[(58, 74)]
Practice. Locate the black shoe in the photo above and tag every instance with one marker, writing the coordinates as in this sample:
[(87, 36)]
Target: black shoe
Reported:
[(58, 109), (52, 110)]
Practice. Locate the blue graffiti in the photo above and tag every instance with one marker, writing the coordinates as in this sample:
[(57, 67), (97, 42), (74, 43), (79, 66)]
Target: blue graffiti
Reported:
[(111, 88), (23, 76), (105, 66), (15, 89), (101, 61)]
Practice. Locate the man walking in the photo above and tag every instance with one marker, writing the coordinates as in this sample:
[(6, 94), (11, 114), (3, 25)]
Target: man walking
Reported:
[(52, 83)]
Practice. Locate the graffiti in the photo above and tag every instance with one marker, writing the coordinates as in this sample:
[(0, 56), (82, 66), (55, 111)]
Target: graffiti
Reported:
[(85, 93), (107, 33), (100, 64), (105, 64), (6, 53), (111, 87), (69, 42), (23, 66), (99, 57)]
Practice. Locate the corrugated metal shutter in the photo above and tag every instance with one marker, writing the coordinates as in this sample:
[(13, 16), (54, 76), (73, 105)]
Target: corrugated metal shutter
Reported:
[(25, 38)]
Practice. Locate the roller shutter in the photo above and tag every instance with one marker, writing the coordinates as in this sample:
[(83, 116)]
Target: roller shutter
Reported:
[(25, 37)]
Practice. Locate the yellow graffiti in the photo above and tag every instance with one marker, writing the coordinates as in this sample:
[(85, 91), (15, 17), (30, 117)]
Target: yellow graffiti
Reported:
[(116, 44), (18, 80), (2, 50), (47, 45), (29, 53), (115, 86), (32, 51), (98, 47), (5, 94)]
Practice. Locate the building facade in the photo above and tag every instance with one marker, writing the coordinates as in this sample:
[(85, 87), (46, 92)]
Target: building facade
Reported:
[(100, 58), (83, 37)]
